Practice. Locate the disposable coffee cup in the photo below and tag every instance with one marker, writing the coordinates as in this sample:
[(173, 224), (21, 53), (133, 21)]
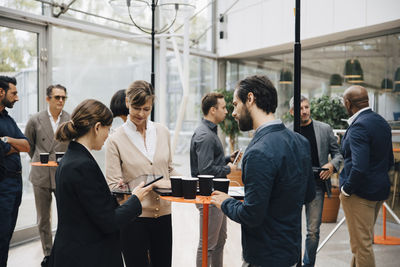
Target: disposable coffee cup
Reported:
[(44, 158), (59, 156), (176, 186), (205, 184), (189, 187), (221, 184)]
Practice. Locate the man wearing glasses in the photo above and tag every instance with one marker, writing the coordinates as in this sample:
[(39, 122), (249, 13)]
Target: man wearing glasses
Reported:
[(40, 132)]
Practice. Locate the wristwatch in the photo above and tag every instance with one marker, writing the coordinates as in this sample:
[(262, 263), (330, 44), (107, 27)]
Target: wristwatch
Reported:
[(4, 139)]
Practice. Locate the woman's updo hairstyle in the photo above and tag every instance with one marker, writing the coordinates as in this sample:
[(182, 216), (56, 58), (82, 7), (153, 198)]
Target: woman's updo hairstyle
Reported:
[(83, 118), (139, 92)]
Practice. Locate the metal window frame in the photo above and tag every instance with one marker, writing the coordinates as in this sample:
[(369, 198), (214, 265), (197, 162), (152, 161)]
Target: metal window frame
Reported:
[(43, 78)]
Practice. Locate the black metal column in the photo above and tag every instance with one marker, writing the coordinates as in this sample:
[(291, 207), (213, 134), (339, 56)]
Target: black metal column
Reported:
[(153, 32), (297, 69), (297, 84)]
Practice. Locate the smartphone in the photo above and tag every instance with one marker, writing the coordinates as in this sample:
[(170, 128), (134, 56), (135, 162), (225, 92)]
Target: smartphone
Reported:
[(163, 191), (121, 191), (148, 179), (318, 169), (238, 157)]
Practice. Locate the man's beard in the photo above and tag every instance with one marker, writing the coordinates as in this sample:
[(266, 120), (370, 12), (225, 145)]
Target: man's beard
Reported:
[(303, 121), (245, 121), (7, 103)]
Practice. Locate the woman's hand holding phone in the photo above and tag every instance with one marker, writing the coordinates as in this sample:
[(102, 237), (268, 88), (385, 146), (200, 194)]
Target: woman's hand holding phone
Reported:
[(141, 191)]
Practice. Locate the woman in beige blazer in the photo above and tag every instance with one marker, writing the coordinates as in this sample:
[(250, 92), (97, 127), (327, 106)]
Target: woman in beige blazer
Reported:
[(140, 147)]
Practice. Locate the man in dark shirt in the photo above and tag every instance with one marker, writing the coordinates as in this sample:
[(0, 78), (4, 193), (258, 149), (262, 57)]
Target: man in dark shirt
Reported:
[(207, 157), (277, 178), (323, 143), (12, 142), (2, 167)]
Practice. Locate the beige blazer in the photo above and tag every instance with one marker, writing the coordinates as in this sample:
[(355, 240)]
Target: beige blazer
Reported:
[(125, 161), (41, 139)]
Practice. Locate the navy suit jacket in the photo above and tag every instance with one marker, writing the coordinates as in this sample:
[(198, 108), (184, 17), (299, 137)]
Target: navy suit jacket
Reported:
[(89, 218), (368, 155), (278, 179)]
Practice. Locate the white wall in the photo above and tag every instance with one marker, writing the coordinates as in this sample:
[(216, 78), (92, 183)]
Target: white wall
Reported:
[(258, 24)]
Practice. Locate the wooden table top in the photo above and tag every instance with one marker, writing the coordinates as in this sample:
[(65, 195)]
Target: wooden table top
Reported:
[(49, 164), (197, 200)]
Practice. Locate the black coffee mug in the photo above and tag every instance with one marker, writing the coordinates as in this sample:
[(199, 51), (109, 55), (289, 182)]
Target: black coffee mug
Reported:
[(205, 184), (59, 156), (44, 158), (189, 186), (221, 184), (176, 186)]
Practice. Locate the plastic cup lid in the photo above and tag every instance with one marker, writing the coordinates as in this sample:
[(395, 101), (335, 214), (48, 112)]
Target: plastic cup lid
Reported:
[(221, 179), (205, 176), (190, 178)]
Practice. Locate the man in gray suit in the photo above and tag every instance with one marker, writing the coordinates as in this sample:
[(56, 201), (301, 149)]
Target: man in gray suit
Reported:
[(323, 143), (40, 132)]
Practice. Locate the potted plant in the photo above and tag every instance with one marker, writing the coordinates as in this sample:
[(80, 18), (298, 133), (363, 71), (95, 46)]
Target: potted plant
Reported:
[(231, 129), (331, 111), (229, 126)]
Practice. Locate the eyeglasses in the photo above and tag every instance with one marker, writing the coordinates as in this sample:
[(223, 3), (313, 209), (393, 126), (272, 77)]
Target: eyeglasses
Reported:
[(58, 97)]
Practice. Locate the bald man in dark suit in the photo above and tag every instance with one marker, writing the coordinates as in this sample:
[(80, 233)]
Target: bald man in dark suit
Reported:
[(364, 181)]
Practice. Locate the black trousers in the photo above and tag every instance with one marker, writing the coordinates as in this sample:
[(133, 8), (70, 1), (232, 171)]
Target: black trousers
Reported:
[(10, 199), (147, 242)]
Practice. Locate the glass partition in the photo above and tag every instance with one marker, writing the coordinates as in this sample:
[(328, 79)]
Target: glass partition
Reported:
[(202, 80), (91, 66), (379, 58), (19, 58), (330, 70)]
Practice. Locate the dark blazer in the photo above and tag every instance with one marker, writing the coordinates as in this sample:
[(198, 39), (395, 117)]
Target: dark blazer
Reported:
[(327, 145), (89, 217), (278, 179), (368, 156)]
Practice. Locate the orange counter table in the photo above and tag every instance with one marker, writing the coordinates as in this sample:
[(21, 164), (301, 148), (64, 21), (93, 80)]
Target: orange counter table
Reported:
[(49, 164), (206, 201)]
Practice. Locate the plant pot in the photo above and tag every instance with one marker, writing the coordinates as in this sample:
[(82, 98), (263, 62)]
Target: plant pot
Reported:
[(236, 178), (331, 206)]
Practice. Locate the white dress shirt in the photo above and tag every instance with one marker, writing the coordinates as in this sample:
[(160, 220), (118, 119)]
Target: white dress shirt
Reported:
[(54, 124), (136, 138), (355, 115)]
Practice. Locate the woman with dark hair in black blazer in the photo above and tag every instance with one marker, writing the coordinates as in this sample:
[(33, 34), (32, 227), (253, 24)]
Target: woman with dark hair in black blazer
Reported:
[(118, 105), (89, 217)]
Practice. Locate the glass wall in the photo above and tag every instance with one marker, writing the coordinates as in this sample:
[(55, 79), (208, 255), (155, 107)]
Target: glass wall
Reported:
[(19, 58), (379, 58), (91, 66), (202, 80), (379, 73)]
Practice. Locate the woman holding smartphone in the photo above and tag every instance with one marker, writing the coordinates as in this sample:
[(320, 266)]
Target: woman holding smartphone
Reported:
[(89, 218), (137, 148)]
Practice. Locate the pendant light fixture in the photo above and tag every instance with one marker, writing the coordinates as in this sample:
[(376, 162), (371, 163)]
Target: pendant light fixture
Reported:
[(336, 80), (353, 72), (397, 80), (286, 77), (387, 85)]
